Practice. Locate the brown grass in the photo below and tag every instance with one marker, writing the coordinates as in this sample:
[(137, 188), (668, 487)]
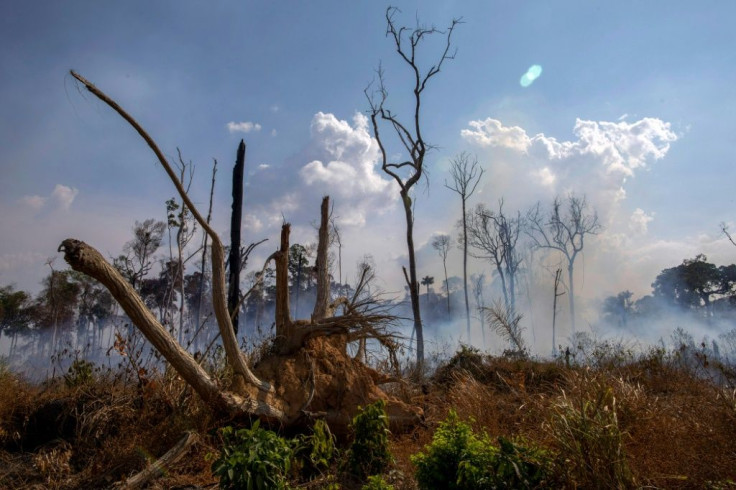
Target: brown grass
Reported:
[(676, 429)]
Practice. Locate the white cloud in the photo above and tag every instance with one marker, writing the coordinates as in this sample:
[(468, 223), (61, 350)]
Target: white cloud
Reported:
[(491, 133), (597, 162), (64, 196), (348, 169), (545, 176), (61, 197), (342, 161), (639, 221), (619, 146), (34, 202), (243, 127)]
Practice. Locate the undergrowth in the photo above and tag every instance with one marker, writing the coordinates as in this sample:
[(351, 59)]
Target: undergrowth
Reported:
[(617, 420)]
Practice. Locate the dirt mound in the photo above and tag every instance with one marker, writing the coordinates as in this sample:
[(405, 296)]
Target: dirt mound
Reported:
[(322, 380)]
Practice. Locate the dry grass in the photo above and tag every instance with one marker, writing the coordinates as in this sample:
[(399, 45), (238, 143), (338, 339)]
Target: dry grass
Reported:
[(673, 429), (650, 422)]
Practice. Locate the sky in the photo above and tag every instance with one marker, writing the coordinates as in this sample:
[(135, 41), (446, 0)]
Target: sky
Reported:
[(628, 103)]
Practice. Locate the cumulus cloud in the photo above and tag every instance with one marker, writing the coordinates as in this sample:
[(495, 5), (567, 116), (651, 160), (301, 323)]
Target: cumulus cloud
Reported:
[(61, 197), (620, 147), (64, 196), (598, 161), (491, 133), (341, 160), (348, 167), (639, 221), (243, 127)]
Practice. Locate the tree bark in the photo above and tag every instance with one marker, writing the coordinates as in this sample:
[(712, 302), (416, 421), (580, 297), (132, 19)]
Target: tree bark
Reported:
[(323, 273), (413, 284), (465, 268), (284, 325), (233, 297), (570, 276)]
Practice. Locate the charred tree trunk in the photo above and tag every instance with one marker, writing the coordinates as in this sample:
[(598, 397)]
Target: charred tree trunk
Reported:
[(233, 296)]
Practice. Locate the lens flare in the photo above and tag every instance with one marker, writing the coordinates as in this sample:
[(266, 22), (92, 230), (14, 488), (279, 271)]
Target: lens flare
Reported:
[(531, 74)]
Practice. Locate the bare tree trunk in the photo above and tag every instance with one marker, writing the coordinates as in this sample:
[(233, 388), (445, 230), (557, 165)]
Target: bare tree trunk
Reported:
[(233, 297), (447, 287), (323, 273), (570, 271), (465, 271), (412, 279), (203, 270), (554, 312), (282, 314)]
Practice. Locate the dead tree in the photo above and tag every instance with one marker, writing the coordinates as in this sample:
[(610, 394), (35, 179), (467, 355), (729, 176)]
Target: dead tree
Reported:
[(441, 243), (564, 230), (724, 230), (409, 135), (558, 273), (466, 175), (494, 237), (309, 373), (233, 296)]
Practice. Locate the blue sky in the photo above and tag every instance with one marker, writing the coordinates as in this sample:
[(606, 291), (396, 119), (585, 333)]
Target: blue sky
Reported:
[(634, 108)]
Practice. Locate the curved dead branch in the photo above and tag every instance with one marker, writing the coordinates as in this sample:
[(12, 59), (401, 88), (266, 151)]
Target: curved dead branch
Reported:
[(86, 259), (219, 301)]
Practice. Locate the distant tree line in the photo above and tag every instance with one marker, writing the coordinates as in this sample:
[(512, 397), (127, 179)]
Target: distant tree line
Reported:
[(695, 287)]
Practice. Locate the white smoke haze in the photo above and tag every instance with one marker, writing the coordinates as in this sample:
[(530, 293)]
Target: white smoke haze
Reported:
[(597, 164), (342, 160)]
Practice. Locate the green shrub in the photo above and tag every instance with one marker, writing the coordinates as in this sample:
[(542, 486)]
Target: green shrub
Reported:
[(369, 453), (314, 453), (459, 459), (79, 373), (252, 458), (376, 482)]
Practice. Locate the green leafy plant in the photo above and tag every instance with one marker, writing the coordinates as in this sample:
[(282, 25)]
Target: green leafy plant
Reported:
[(376, 482), (369, 453), (513, 465), (79, 373), (315, 452), (252, 459), (459, 459)]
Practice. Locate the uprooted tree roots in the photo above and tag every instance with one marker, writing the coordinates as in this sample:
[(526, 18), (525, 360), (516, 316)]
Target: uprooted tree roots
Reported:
[(308, 372)]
